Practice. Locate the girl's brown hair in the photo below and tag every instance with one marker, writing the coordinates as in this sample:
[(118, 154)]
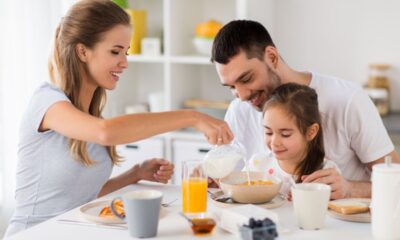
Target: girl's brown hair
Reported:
[(301, 103), (84, 23)]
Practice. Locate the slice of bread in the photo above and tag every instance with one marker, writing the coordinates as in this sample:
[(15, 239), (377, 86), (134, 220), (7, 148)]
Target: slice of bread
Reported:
[(348, 206)]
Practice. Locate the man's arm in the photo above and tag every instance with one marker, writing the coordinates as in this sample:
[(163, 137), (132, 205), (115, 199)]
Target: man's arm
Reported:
[(342, 188)]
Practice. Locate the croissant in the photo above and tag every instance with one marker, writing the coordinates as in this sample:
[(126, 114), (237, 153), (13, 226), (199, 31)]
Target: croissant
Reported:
[(118, 206)]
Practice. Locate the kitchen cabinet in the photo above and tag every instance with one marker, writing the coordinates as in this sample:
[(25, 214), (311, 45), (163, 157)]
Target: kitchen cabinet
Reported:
[(174, 146), (137, 152), (185, 150)]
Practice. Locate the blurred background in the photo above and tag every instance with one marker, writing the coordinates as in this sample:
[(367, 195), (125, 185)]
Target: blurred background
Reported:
[(356, 40)]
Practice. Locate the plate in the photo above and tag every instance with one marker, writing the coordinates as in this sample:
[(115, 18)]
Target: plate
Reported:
[(357, 217), (90, 212), (274, 203)]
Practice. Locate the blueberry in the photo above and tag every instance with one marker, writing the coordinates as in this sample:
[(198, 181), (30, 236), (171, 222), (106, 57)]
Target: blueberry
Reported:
[(259, 223), (267, 222), (252, 223)]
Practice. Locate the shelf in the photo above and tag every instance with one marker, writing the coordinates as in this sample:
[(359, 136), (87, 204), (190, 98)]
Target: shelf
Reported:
[(191, 59), (146, 59)]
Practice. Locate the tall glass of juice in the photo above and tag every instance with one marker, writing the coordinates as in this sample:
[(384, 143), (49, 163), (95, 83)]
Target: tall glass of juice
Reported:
[(194, 188)]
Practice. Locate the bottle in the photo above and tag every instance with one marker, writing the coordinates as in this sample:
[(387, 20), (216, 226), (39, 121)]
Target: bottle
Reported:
[(385, 202)]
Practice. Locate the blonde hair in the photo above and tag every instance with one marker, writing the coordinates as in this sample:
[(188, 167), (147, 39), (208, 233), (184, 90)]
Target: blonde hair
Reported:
[(84, 23)]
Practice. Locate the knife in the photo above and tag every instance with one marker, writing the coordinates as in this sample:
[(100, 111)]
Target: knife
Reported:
[(75, 222)]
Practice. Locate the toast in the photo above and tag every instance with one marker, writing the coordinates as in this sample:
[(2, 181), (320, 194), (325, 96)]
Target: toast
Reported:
[(349, 206)]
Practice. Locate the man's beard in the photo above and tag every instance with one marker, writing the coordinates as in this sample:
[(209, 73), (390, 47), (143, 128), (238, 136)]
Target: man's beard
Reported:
[(275, 81)]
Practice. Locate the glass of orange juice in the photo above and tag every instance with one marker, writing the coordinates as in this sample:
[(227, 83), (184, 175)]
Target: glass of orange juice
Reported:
[(194, 188)]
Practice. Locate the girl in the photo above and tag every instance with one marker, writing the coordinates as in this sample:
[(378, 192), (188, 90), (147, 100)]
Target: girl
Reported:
[(67, 150), (293, 133)]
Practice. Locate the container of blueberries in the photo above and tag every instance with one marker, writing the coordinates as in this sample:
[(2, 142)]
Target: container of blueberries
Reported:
[(258, 230)]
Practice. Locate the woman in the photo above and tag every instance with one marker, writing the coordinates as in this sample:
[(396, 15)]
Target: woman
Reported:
[(67, 149)]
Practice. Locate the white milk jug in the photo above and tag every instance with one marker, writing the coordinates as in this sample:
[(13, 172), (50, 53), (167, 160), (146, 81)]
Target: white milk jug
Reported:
[(221, 160), (385, 203)]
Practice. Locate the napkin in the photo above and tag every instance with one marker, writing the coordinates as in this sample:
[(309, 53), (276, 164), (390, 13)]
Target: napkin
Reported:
[(232, 218)]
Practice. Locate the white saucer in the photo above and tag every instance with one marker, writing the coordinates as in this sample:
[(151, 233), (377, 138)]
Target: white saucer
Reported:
[(274, 203)]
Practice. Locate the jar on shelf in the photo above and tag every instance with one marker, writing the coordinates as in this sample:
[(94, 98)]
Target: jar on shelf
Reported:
[(380, 97), (378, 76), (378, 87)]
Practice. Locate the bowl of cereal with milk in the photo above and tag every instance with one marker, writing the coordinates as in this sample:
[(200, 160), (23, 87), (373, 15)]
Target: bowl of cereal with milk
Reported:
[(250, 187)]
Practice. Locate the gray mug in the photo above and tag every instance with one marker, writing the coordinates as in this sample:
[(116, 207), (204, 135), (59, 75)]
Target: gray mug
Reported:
[(142, 212)]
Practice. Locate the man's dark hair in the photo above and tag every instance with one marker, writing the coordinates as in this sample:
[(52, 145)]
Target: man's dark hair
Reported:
[(238, 35)]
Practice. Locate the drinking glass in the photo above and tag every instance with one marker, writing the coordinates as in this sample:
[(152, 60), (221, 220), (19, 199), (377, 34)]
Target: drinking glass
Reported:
[(194, 188)]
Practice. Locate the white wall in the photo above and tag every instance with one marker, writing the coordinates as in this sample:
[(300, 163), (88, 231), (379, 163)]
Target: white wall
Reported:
[(340, 37)]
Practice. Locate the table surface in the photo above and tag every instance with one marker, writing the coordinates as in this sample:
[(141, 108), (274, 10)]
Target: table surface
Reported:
[(173, 226)]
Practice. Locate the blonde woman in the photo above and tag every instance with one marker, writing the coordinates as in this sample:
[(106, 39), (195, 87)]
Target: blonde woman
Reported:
[(67, 150)]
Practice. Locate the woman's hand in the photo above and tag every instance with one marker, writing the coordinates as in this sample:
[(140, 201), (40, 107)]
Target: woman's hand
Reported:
[(216, 131), (156, 170)]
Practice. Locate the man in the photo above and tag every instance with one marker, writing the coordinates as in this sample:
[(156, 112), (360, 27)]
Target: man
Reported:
[(248, 62)]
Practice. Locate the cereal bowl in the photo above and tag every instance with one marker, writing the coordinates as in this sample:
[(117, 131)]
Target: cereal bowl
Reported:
[(262, 189)]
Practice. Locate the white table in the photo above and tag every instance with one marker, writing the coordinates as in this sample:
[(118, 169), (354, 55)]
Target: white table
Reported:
[(173, 226)]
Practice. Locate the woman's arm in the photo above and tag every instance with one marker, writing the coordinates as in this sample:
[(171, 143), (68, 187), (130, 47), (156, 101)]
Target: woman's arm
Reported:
[(156, 170), (69, 121)]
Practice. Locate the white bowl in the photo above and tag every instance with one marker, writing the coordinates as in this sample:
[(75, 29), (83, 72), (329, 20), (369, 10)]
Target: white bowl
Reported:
[(231, 186), (203, 45)]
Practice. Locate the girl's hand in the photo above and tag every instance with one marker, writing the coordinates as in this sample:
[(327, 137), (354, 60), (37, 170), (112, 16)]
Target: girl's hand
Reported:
[(340, 187), (216, 131), (156, 170)]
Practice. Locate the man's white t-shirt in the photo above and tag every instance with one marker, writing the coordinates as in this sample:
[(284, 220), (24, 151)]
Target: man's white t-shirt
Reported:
[(354, 133)]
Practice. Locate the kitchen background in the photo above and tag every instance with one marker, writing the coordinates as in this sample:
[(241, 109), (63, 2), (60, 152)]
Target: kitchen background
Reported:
[(336, 37)]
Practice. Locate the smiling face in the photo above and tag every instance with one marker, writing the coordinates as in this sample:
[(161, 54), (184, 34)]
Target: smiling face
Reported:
[(282, 136), (107, 59), (250, 80)]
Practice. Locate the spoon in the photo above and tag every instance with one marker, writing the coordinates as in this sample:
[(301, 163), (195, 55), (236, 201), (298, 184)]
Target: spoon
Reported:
[(200, 225), (186, 217), (222, 198)]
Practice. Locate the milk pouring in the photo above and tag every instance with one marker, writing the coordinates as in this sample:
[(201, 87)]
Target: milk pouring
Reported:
[(385, 203), (221, 160)]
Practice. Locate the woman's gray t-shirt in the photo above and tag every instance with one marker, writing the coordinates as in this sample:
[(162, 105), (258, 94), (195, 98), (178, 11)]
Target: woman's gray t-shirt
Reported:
[(49, 180)]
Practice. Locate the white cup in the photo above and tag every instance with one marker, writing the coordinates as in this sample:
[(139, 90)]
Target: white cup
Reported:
[(385, 203), (310, 202)]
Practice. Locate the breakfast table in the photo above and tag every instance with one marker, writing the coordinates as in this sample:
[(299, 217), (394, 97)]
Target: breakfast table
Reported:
[(173, 226)]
